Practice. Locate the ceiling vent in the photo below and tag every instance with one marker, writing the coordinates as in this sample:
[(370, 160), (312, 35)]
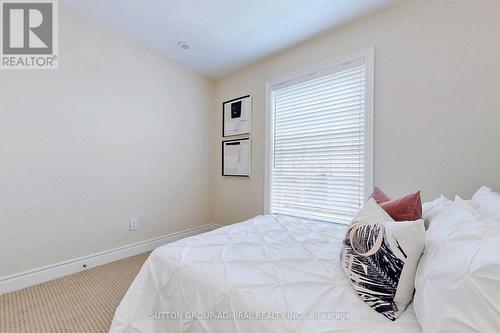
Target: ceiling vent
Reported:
[(183, 45)]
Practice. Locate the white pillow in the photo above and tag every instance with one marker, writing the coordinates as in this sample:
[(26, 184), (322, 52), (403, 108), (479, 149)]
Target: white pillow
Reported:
[(458, 279), (470, 203), (488, 202), (371, 211), (433, 208), (380, 258)]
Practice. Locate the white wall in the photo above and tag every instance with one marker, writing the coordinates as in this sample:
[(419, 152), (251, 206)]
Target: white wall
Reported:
[(116, 132), (436, 100)]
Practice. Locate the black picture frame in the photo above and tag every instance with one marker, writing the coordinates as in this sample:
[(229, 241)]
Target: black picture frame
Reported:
[(224, 119), (250, 161)]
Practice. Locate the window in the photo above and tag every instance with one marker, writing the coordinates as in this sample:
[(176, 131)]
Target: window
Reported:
[(319, 140)]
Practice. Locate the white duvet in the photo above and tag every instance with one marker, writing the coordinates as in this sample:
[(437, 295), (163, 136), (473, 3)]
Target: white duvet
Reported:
[(282, 269)]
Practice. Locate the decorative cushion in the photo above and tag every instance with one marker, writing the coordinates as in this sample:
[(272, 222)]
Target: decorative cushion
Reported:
[(407, 208), (379, 195), (380, 258)]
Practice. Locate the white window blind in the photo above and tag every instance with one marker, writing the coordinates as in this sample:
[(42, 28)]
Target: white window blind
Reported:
[(318, 160)]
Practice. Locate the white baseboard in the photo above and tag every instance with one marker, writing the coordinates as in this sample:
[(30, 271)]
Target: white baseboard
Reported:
[(35, 276)]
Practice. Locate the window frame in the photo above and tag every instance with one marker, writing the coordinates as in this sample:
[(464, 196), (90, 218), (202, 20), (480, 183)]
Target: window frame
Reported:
[(365, 56)]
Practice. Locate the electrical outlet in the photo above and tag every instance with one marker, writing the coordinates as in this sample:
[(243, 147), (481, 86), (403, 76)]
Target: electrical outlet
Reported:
[(133, 224)]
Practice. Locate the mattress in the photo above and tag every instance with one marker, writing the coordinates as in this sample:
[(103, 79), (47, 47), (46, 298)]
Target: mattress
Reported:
[(272, 273)]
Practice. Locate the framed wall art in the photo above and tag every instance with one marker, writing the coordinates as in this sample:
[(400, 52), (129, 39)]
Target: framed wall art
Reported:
[(237, 116), (236, 157)]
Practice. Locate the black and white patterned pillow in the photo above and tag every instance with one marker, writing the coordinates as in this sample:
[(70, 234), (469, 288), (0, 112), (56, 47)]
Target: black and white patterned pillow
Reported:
[(380, 258)]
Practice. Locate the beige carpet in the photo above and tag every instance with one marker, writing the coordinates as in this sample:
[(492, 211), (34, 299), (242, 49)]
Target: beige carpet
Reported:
[(83, 302)]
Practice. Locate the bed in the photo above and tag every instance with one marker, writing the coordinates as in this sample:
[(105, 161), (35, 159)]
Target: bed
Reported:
[(272, 273)]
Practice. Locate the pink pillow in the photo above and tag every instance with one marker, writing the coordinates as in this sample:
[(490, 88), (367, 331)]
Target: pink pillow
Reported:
[(379, 196), (407, 208)]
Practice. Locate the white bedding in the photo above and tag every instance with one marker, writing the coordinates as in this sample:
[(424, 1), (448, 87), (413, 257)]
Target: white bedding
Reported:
[(458, 278), (269, 266)]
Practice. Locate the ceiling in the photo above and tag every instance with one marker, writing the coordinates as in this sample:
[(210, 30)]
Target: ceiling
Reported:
[(224, 35)]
